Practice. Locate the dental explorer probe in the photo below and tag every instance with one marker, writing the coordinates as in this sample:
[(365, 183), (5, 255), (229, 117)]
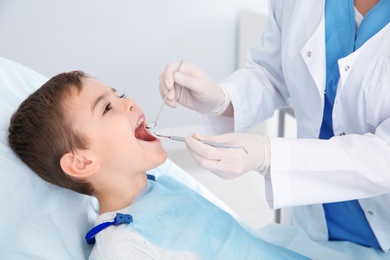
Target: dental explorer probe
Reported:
[(215, 144), (154, 123)]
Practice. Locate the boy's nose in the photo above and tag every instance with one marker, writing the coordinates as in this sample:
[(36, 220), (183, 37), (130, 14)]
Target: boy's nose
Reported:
[(130, 105)]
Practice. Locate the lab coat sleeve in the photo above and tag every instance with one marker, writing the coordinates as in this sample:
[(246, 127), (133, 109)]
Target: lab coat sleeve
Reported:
[(259, 88), (309, 171)]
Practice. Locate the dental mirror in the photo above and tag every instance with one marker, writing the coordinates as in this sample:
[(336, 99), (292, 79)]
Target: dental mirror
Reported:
[(154, 123), (151, 125)]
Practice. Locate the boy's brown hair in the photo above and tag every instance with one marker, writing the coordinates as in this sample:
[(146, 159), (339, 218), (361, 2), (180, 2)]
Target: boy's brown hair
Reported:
[(40, 132)]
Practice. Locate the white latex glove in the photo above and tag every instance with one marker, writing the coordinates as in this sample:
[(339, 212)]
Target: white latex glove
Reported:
[(229, 163), (192, 88)]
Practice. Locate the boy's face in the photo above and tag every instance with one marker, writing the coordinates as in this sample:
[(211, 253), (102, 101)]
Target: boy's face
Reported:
[(114, 127)]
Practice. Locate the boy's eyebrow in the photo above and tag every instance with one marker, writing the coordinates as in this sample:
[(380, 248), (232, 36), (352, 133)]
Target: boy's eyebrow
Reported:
[(100, 98)]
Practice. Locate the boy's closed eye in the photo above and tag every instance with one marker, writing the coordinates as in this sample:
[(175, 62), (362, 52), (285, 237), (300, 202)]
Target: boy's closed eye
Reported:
[(108, 107)]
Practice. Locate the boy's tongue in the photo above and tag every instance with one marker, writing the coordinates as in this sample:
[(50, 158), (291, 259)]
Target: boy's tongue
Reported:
[(142, 134)]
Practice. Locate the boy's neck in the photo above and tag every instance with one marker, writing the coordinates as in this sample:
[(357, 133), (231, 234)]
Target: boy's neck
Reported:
[(116, 196)]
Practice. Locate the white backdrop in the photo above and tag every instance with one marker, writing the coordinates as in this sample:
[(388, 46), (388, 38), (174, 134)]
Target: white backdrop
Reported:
[(125, 43)]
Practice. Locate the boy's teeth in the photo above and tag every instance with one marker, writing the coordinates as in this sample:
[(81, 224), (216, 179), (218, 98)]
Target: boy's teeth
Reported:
[(140, 122)]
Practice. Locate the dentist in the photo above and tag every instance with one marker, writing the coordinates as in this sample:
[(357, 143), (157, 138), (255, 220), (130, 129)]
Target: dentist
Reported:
[(330, 61)]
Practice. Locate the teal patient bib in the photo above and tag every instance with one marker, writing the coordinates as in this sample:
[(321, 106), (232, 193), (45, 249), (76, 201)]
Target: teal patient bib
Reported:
[(174, 217)]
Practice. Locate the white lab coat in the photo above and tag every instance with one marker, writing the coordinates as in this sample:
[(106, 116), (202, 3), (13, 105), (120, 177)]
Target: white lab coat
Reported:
[(286, 67)]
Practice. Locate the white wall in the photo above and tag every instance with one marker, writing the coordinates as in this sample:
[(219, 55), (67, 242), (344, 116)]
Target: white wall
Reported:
[(125, 43)]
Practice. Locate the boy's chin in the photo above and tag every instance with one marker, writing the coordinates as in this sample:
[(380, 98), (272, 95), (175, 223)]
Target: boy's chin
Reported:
[(159, 161), (164, 156)]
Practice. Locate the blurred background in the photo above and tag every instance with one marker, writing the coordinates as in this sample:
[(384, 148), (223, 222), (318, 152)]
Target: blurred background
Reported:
[(127, 43)]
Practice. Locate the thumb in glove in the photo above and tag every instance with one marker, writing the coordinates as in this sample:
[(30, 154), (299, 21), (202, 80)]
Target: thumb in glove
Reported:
[(229, 163)]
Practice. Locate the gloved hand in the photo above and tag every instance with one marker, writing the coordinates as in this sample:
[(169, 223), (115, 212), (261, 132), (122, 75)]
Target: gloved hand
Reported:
[(229, 163), (192, 88)]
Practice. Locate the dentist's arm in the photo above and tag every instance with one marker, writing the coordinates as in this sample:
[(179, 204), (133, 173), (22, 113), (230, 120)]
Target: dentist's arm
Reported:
[(192, 88), (229, 163)]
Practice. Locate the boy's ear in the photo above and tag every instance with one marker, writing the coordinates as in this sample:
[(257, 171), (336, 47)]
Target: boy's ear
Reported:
[(78, 166)]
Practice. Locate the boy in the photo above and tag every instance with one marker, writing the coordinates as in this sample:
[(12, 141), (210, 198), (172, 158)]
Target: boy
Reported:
[(75, 132)]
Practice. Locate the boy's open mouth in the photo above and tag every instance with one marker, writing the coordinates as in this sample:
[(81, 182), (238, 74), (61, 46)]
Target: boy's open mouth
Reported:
[(141, 133)]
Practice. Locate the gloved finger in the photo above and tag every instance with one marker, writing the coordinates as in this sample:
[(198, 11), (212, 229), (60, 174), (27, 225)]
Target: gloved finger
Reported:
[(178, 92), (166, 78), (167, 82), (227, 162), (186, 81), (205, 150), (205, 163), (213, 166), (164, 89), (168, 101), (191, 70)]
